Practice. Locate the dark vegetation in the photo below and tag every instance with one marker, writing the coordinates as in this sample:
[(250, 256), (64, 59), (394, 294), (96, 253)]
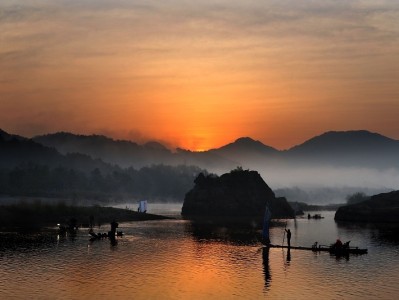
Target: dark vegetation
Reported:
[(157, 182), (240, 194), (356, 198), (379, 208), (37, 214), (28, 168)]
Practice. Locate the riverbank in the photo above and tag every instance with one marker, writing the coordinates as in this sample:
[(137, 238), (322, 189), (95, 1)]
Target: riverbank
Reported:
[(34, 215)]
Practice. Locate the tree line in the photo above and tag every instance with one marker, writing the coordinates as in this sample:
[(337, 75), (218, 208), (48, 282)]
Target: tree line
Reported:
[(157, 182)]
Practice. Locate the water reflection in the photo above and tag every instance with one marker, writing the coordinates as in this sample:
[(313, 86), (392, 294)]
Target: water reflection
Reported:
[(179, 259), (235, 234), (385, 233), (26, 241), (266, 267), (288, 256)]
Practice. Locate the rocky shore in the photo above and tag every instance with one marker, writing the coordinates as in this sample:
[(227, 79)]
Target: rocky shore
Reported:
[(379, 208)]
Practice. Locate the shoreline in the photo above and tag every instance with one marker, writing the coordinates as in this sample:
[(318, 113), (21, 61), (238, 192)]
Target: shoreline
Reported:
[(38, 215)]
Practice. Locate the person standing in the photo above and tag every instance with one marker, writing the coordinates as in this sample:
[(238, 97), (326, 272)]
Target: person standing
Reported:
[(288, 237)]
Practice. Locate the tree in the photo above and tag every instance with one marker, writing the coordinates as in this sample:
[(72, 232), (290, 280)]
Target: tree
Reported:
[(356, 198)]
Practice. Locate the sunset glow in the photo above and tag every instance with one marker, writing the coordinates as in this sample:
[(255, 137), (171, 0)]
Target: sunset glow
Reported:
[(199, 75)]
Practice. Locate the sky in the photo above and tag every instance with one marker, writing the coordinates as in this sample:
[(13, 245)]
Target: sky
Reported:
[(199, 74)]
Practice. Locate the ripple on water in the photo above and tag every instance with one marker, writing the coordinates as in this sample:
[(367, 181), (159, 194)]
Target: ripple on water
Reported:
[(167, 260)]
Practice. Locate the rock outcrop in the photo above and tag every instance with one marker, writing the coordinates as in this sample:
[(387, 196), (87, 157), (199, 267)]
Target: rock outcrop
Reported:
[(240, 194), (379, 208)]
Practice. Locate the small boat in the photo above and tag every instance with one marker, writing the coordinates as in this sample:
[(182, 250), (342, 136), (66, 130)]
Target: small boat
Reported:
[(315, 216), (340, 251), (347, 251)]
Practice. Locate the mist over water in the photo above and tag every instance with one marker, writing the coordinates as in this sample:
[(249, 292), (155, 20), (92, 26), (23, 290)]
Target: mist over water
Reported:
[(327, 184), (330, 185), (333, 177)]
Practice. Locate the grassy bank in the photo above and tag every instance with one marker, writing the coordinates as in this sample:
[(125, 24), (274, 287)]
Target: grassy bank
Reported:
[(38, 215)]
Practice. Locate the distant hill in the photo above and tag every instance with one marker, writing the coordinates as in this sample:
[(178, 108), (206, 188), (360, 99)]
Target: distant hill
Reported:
[(5, 136), (16, 150), (123, 153), (247, 145), (127, 153), (335, 148), (347, 148), (246, 151), (28, 168), (336, 162)]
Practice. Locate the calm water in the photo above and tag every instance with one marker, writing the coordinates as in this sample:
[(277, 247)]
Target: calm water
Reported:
[(176, 259)]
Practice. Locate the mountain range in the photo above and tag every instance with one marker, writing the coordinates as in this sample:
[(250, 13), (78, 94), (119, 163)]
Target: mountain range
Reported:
[(335, 148), (325, 168)]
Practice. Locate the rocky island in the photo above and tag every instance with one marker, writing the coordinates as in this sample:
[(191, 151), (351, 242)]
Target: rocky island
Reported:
[(238, 195), (379, 208)]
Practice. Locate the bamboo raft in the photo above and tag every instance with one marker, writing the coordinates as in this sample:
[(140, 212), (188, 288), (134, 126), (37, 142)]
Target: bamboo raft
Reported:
[(331, 250)]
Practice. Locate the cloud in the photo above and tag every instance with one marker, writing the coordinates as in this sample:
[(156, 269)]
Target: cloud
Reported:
[(280, 58)]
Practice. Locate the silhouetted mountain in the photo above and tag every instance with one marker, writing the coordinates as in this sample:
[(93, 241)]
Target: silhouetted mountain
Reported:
[(247, 145), (123, 153), (347, 148), (342, 149), (5, 136), (334, 159), (16, 150), (246, 151), (335, 142), (28, 168), (127, 153)]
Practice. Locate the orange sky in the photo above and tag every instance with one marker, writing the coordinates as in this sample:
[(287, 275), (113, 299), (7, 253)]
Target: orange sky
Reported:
[(199, 75)]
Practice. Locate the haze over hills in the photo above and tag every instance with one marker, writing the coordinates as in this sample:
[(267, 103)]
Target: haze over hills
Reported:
[(123, 153), (338, 149), (28, 168), (16, 150), (327, 166)]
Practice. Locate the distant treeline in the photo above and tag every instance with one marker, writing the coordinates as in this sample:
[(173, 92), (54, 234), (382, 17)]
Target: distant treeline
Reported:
[(160, 182)]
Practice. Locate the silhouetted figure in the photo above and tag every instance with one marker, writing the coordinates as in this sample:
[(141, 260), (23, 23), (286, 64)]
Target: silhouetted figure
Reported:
[(111, 233), (308, 216), (337, 248), (338, 244), (114, 225), (288, 237)]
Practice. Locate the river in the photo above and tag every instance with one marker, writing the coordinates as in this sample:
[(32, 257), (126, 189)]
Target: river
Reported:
[(178, 259)]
